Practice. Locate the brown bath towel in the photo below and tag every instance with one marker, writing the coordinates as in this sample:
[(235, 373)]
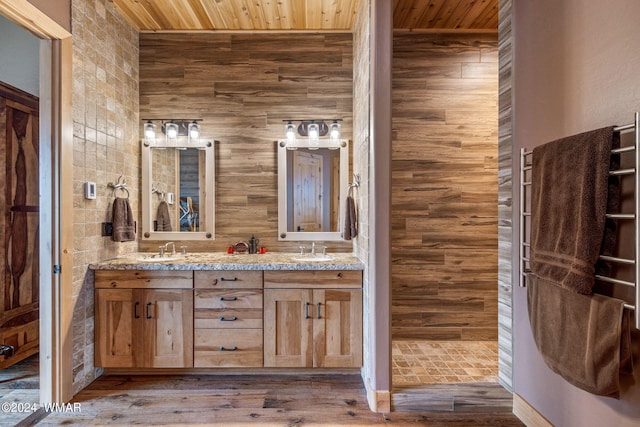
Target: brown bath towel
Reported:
[(350, 219), (586, 339), (569, 203), (163, 218), (123, 222)]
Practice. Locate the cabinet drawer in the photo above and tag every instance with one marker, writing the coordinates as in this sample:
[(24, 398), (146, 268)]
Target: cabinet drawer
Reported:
[(227, 279), (227, 348), (231, 298), (143, 279), (291, 279)]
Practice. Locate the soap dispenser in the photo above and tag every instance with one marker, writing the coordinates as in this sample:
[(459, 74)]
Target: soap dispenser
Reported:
[(253, 245)]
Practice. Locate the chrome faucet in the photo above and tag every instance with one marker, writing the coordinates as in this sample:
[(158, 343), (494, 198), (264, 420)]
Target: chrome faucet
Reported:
[(165, 247)]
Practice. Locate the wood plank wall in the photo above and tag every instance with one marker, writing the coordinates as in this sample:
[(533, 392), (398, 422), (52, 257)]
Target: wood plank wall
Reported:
[(445, 186), (243, 87)]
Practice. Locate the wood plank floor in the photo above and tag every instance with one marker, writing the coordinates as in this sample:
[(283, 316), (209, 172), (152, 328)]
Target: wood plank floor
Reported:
[(266, 400), (19, 384)]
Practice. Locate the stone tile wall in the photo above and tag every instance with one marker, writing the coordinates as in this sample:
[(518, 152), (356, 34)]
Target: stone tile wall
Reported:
[(105, 139)]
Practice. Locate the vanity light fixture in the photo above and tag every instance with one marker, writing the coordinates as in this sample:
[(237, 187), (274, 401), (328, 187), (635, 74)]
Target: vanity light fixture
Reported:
[(173, 129), (313, 129)]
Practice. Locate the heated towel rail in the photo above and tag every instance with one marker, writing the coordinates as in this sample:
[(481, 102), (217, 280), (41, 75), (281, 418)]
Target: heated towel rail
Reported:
[(525, 215)]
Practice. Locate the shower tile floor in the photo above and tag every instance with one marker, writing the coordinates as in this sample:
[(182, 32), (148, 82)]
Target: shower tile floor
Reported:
[(443, 362)]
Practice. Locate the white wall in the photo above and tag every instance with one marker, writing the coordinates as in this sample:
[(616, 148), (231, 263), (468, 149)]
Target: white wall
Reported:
[(577, 68), (19, 57)]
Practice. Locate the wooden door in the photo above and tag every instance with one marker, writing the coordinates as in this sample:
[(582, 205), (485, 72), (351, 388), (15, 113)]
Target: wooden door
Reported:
[(307, 191), (337, 328), (287, 328), (168, 328), (117, 328), (19, 225)]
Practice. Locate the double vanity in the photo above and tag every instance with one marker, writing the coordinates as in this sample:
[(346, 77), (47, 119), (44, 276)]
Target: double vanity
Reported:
[(212, 310)]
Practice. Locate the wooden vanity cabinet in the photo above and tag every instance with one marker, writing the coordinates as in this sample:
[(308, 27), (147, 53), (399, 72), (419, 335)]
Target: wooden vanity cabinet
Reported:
[(144, 319), (313, 319), (228, 319)]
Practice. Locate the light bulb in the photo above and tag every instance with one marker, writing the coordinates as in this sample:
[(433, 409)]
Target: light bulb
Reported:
[(194, 131), (150, 131), (314, 133), (290, 131), (335, 131), (171, 130)]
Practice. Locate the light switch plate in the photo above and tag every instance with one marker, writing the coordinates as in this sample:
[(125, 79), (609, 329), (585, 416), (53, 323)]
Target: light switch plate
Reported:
[(90, 190)]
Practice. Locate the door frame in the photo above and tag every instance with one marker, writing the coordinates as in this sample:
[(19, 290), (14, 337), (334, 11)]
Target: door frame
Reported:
[(56, 198)]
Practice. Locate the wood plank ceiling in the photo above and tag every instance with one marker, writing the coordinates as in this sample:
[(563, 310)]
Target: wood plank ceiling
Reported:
[(302, 15)]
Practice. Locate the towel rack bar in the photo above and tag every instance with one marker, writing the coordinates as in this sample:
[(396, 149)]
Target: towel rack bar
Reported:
[(619, 172), (621, 216), (623, 149), (526, 183), (526, 213), (622, 128), (526, 244), (616, 281), (630, 307), (616, 259)]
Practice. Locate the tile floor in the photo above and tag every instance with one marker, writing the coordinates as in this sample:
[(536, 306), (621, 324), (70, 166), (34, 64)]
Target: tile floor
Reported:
[(444, 362)]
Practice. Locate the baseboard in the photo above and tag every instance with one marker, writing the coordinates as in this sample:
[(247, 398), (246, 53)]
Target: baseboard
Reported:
[(528, 414), (379, 400)]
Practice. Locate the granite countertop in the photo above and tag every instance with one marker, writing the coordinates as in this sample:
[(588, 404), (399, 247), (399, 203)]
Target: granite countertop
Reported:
[(223, 261)]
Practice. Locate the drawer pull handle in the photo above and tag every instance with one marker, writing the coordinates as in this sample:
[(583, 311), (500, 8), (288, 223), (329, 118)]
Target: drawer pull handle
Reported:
[(229, 299), (319, 317), (234, 348), (340, 275), (148, 316), (136, 315), (235, 279), (306, 313), (224, 319), (215, 282)]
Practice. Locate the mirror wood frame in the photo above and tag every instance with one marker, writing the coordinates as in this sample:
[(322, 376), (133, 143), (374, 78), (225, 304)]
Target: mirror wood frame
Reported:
[(209, 190), (283, 148)]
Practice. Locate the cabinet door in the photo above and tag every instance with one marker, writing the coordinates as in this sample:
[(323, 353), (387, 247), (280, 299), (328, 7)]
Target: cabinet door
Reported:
[(287, 328), (117, 322), (168, 328), (337, 328)]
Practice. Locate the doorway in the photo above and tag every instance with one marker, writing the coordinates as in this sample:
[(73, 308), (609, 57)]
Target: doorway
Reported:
[(55, 232), (444, 210)]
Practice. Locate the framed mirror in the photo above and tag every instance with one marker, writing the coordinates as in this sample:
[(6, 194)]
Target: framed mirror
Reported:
[(312, 189), (178, 191)]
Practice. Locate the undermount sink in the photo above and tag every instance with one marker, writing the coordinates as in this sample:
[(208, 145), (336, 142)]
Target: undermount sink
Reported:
[(157, 257), (313, 257)]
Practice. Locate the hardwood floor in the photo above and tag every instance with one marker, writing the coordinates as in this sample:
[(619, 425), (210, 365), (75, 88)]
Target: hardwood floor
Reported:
[(268, 400)]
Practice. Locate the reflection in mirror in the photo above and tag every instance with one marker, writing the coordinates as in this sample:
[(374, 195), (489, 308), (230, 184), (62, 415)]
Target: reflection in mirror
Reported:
[(177, 191), (312, 182)]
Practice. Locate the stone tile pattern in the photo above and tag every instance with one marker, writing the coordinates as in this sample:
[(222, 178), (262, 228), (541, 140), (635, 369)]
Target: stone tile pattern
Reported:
[(243, 86), (445, 187), (105, 142), (505, 210), (444, 362)]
